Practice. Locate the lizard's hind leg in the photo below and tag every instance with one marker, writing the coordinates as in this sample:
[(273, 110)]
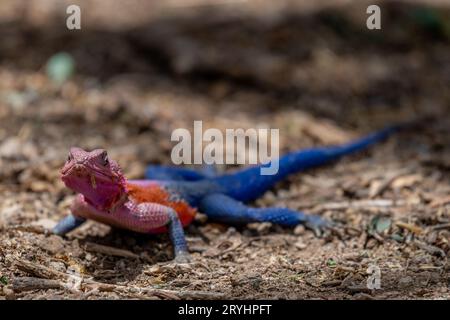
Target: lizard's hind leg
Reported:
[(68, 224), (177, 236), (160, 172), (225, 209)]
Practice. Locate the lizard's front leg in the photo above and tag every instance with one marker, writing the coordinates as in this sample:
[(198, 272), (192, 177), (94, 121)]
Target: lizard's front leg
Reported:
[(144, 217), (178, 239), (148, 216), (68, 224), (71, 222)]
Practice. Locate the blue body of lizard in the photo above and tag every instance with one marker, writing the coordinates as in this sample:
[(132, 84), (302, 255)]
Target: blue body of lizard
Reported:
[(222, 197)]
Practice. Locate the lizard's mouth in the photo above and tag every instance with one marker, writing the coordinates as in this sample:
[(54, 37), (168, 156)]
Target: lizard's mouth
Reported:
[(80, 171), (100, 189)]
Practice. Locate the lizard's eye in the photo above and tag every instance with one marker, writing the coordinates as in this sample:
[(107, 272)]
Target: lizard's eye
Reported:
[(69, 157), (105, 159)]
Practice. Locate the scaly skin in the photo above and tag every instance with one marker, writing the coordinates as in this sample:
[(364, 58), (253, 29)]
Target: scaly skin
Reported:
[(169, 203)]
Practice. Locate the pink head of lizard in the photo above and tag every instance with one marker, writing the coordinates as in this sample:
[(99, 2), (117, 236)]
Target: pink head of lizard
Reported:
[(97, 178)]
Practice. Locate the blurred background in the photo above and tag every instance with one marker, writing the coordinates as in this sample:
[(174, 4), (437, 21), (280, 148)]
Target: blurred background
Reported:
[(138, 69)]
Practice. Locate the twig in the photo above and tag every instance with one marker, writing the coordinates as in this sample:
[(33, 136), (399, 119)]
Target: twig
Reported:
[(235, 245), (172, 294), (430, 249), (387, 182), (377, 203), (358, 288), (29, 228), (440, 202), (332, 283), (378, 237), (20, 284), (40, 270), (98, 248), (410, 227), (441, 226), (47, 273), (426, 267)]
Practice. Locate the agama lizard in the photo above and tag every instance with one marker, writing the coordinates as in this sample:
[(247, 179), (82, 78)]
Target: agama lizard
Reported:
[(168, 201)]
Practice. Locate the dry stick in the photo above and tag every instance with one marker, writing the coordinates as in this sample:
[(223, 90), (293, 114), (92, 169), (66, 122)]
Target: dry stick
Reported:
[(440, 202), (232, 248), (433, 250), (441, 226), (377, 203), (29, 228), (98, 248), (413, 228), (19, 284), (387, 182), (45, 272), (358, 288), (40, 270)]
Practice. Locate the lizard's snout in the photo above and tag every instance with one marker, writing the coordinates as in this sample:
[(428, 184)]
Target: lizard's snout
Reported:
[(77, 169)]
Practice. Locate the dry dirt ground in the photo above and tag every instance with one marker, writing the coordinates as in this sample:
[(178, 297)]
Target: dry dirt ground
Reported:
[(319, 76)]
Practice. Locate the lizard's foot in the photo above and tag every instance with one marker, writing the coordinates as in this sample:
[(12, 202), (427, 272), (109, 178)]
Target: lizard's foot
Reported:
[(182, 257), (318, 225)]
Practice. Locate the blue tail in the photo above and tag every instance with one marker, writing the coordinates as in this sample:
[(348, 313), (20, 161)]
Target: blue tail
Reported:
[(248, 184)]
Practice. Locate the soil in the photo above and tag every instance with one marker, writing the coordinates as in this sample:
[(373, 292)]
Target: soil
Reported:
[(317, 74)]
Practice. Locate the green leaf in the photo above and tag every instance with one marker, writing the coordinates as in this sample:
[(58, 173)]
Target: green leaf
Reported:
[(331, 263), (60, 67), (398, 237), (379, 224), (383, 224), (4, 280)]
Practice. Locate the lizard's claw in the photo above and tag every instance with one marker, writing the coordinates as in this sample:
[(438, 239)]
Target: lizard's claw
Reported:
[(182, 258), (318, 225)]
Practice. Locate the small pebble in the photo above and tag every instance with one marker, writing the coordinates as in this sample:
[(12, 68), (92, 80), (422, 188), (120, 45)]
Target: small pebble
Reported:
[(405, 282), (299, 230), (58, 266), (8, 293), (260, 227), (52, 244), (300, 245), (47, 224), (201, 218)]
